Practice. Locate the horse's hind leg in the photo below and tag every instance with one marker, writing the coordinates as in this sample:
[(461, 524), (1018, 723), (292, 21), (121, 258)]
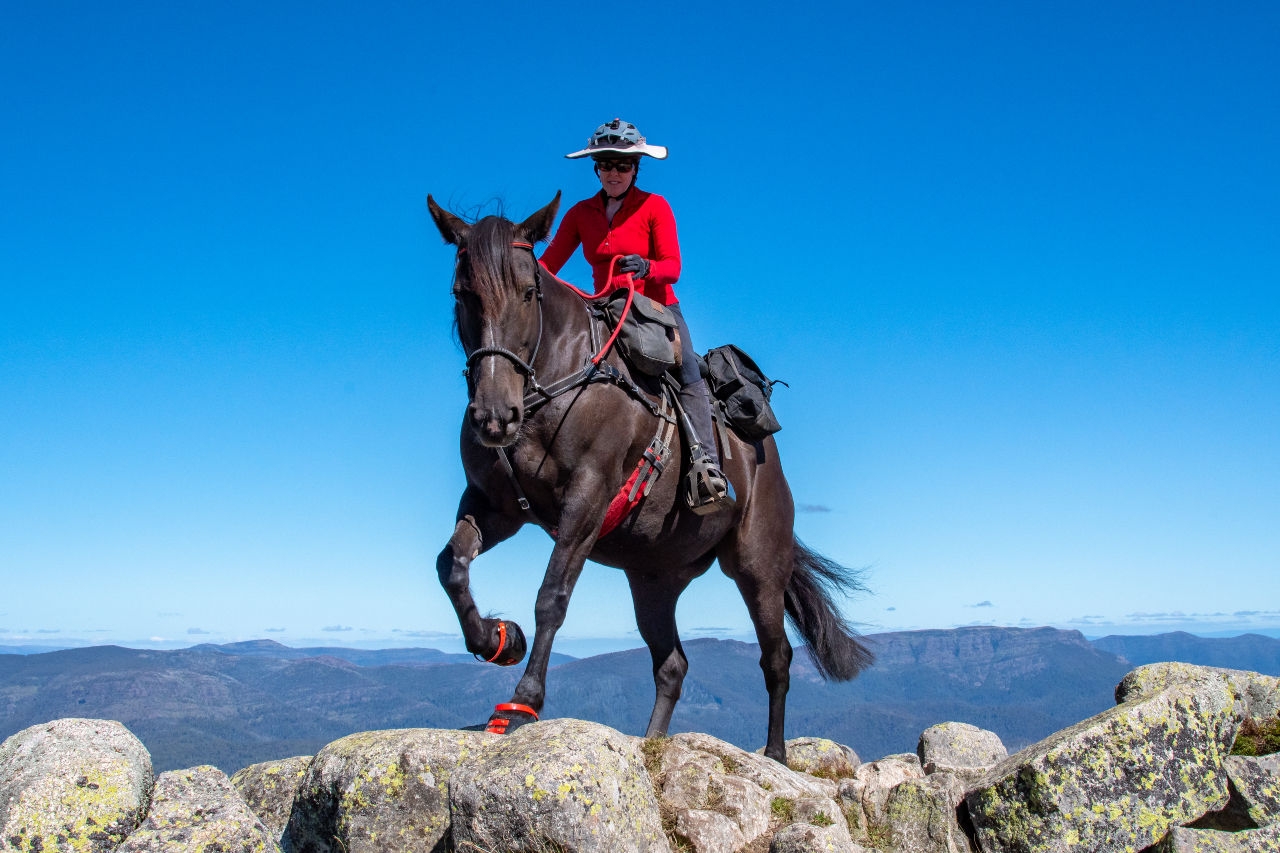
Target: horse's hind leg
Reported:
[(762, 574), (478, 529), (654, 598)]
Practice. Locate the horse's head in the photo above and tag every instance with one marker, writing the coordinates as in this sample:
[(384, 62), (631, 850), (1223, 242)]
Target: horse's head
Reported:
[(498, 312)]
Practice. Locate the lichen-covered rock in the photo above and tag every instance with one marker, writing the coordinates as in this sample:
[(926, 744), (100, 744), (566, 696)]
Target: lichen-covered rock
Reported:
[(72, 784), (1118, 781), (864, 796), (567, 785), (1258, 694), (378, 791), (824, 814), (1257, 783), (808, 838), (269, 789), (755, 768), (695, 781), (959, 748), (697, 773), (818, 756), (198, 811), (920, 815), (1184, 840), (708, 831), (855, 816)]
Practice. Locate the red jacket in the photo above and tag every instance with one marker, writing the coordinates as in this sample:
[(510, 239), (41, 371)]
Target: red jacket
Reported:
[(644, 226)]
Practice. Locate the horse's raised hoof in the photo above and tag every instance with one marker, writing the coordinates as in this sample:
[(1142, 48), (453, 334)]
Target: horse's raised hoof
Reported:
[(509, 716), (511, 644)]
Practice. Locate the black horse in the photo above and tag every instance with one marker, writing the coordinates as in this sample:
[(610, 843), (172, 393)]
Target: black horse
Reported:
[(557, 454)]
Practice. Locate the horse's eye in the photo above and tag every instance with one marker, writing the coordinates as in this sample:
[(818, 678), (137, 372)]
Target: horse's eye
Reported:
[(528, 294)]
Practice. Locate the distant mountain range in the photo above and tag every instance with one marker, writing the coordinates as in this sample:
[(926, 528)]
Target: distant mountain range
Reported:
[(241, 703)]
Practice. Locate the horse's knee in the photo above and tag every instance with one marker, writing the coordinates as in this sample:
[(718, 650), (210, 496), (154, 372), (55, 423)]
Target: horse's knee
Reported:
[(464, 546), (550, 609)]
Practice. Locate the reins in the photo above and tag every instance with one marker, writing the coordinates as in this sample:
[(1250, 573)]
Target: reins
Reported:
[(626, 309)]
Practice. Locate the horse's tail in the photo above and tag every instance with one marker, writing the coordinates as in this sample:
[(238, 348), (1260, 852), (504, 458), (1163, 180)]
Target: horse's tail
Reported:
[(816, 582)]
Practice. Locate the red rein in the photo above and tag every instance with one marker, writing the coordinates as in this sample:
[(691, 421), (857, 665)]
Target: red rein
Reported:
[(626, 309)]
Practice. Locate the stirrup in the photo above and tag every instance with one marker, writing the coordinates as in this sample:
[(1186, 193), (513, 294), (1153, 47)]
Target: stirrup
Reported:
[(706, 488)]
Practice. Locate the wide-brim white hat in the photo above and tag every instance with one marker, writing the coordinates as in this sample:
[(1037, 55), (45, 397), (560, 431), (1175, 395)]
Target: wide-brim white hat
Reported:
[(619, 137)]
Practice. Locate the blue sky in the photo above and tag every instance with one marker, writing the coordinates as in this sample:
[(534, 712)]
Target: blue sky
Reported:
[(1018, 263)]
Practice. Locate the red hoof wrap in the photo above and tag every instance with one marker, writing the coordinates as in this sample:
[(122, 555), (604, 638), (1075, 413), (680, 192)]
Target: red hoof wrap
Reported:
[(498, 725)]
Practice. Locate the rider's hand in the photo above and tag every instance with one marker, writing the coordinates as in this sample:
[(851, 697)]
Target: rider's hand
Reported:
[(635, 265)]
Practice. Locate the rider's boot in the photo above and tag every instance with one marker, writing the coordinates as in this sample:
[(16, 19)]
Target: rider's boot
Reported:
[(707, 489)]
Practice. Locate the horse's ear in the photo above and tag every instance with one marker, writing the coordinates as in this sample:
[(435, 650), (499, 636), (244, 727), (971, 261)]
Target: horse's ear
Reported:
[(536, 228), (452, 228)]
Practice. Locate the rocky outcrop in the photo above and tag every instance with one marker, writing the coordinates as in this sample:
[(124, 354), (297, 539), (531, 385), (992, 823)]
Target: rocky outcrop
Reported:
[(866, 794), (1119, 781), (818, 756), (1184, 840), (378, 791), (1151, 774), (72, 784), (269, 789), (717, 797), (965, 751), (1255, 785), (565, 785), (198, 809), (1257, 696)]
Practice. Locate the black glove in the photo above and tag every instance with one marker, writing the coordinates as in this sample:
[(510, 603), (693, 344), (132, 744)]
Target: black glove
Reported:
[(635, 265)]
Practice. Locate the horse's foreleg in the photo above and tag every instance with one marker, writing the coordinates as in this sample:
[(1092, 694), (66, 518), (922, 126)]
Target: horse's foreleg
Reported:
[(654, 598), (549, 612), (478, 529)]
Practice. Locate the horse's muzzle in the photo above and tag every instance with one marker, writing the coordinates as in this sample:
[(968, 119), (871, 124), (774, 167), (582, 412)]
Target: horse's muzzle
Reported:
[(495, 426)]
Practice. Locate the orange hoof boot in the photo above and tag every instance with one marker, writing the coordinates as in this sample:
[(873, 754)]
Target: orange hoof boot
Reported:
[(511, 645), (509, 716)]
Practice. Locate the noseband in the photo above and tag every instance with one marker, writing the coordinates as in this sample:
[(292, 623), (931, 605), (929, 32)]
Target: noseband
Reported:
[(524, 368)]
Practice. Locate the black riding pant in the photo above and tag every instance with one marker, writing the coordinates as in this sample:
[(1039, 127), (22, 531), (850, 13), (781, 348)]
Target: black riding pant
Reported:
[(693, 389)]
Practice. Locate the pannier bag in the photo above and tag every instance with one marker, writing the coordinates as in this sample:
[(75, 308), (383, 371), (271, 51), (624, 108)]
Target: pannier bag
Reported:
[(648, 336), (743, 391)]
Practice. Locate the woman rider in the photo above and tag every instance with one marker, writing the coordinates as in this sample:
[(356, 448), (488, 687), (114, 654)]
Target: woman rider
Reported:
[(624, 220)]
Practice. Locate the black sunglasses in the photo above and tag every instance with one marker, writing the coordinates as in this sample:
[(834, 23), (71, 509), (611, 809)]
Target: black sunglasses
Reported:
[(622, 166)]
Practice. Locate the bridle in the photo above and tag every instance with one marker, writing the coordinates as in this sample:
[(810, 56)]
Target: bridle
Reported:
[(524, 368), (595, 370)]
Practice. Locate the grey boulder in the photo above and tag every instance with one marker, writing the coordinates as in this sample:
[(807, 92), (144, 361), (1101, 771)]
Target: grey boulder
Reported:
[(567, 785), (197, 811), (269, 789), (378, 791), (1119, 781), (72, 784)]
